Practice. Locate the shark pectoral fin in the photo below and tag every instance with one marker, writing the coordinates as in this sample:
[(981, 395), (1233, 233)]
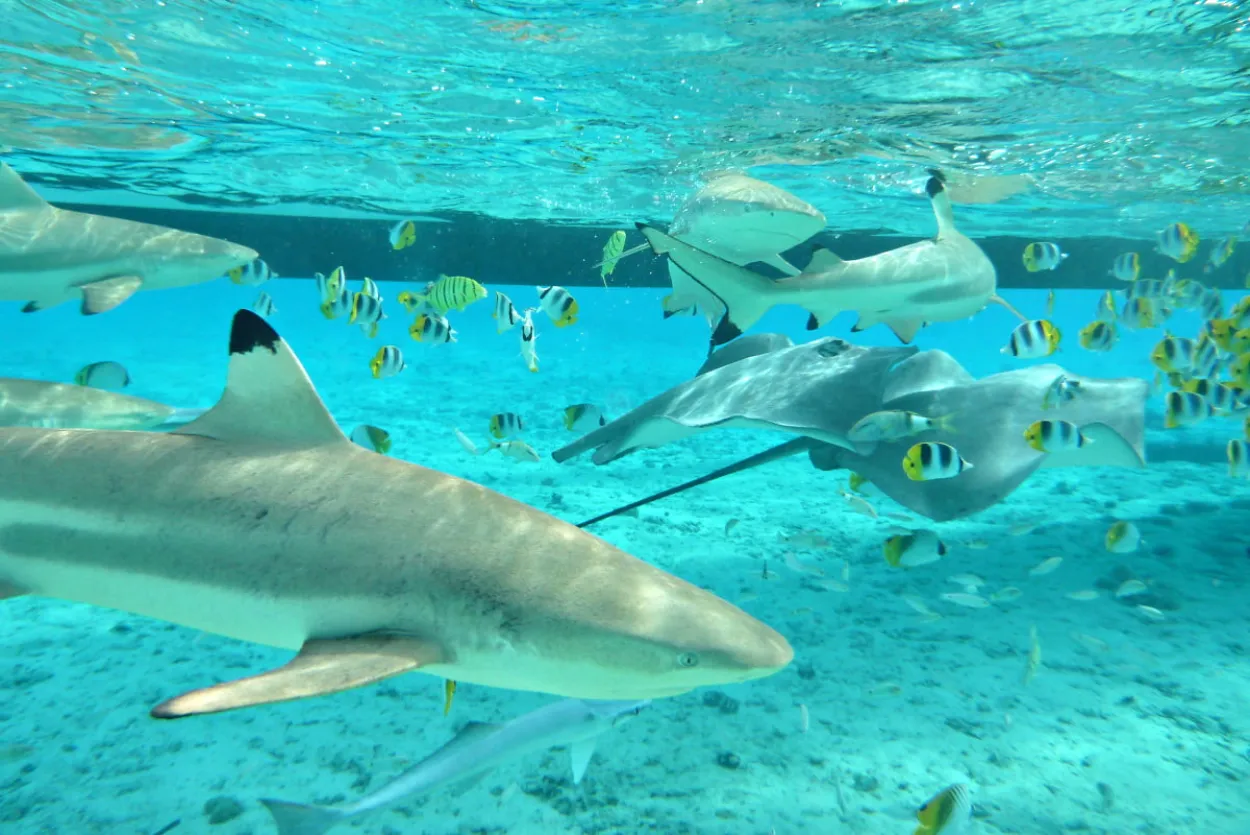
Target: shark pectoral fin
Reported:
[(997, 299), (580, 753), (322, 667), (905, 329), (268, 396), (8, 590), (823, 260), (303, 818), (815, 321), (107, 293), (782, 265)]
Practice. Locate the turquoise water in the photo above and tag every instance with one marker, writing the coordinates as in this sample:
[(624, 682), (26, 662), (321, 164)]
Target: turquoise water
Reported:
[(1055, 121)]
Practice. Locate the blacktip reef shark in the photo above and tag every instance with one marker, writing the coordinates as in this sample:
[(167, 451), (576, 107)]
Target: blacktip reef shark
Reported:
[(68, 406), (743, 221), (470, 755), (820, 389), (262, 522), (50, 255), (943, 279)]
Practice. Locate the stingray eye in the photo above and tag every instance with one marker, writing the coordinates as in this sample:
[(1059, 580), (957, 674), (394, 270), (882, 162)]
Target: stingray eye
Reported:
[(687, 659)]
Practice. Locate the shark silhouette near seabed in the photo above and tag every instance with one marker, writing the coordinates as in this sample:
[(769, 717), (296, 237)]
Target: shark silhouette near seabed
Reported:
[(470, 755), (50, 255), (262, 522), (944, 279), (38, 403), (820, 389)]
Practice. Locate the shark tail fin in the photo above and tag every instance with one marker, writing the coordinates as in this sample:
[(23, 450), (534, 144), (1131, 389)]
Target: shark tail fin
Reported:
[(745, 295), (303, 819), (268, 396), (15, 194)]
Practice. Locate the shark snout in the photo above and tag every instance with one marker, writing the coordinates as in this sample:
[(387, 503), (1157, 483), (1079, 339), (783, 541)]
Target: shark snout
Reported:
[(766, 654)]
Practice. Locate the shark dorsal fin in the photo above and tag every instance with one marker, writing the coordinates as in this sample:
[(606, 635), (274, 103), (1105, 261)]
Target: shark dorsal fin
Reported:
[(268, 396), (823, 260), (15, 194), (580, 752), (941, 200)]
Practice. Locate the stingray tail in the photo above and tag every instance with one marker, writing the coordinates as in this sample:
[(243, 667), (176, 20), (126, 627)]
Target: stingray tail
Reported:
[(303, 819), (746, 295)]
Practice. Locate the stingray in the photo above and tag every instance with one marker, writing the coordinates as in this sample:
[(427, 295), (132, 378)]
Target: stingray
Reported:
[(818, 390)]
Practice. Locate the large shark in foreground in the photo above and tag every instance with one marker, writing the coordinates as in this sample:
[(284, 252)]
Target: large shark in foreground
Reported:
[(67, 406), (943, 279), (261, 521), (819, 390), (470, 755), (50, 255)]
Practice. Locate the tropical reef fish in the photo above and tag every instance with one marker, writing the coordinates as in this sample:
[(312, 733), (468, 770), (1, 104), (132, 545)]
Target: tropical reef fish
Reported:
[(1178, 242), (402, 235), (517, 451), (529, 350), (1123, 538), (1033, 340), (506, 425), (264, 305), (931, 461), (252, 274), (559, 305), (432, 329), (1184, 408), (224, 506), (909, 550), (107, 375), (1098, 336), (387, 362), (1126, 267), (1063, 390), (893, 425), (470, 755), (583, 417), (372, 438), (1044, 255), (49, 256), (505, 314), (612, 253), (946, 813), (1055, 436), (451, 292)]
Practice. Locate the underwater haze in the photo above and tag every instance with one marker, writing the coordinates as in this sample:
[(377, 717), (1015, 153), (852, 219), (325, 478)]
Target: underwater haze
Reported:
[(1004, 529)]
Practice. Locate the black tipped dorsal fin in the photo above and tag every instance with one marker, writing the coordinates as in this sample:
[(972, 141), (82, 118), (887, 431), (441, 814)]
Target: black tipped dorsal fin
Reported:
[(268, 396), (941, 200), (15, 194)]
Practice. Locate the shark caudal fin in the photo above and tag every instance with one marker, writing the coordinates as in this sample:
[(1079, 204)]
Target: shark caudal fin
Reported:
[(268, 396), (303, 819), (745, 295)]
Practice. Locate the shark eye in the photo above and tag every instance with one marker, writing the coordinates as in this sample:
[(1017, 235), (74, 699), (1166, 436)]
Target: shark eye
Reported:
[(688, 659)]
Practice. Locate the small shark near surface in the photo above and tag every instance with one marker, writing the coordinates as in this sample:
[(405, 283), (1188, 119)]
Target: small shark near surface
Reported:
[(50, 255), (262, 522), (742, 220), (67, 406), (943, 279), (471, 755)]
